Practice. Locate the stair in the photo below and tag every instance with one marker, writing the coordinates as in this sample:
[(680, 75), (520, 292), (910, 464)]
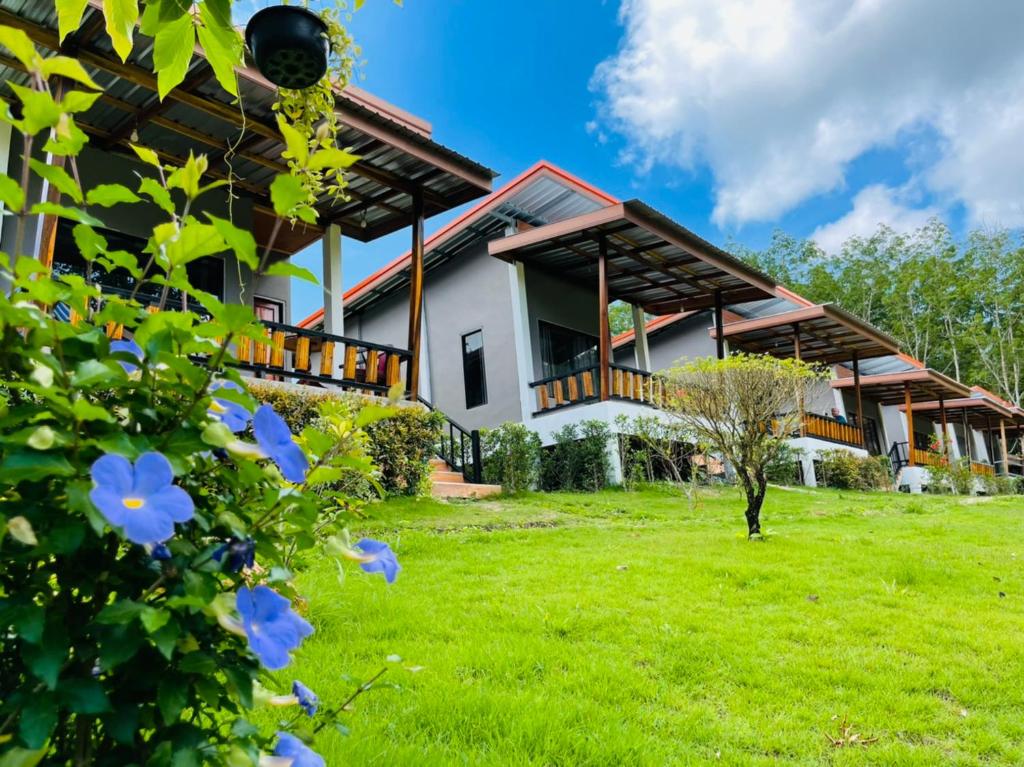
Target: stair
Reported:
[(445, 483)]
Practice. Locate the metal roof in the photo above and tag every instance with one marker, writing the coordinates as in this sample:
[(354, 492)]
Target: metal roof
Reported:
[(398, 156), (890, 389), (979, 411), (652, 261)]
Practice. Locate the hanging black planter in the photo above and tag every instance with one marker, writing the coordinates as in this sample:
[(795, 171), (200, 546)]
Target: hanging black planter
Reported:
[(289, 45)]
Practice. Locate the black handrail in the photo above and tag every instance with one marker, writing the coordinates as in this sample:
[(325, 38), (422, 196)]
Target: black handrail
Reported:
[(321, 335), (628, 369), (466, 457), (899, 456), (562, 376)]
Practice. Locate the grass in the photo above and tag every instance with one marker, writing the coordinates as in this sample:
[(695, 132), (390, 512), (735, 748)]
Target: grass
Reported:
[(633, 629)]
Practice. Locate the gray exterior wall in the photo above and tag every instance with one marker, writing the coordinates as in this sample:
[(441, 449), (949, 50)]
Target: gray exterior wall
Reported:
[(99, 167), (559, 302), (472, 292)]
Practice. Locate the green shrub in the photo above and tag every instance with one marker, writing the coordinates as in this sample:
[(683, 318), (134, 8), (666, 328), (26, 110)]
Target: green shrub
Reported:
[(511, 456), (652, 449), (400, 446), (952, 477), (1000, 485), (579, 458), (842, 469), (784, 469)]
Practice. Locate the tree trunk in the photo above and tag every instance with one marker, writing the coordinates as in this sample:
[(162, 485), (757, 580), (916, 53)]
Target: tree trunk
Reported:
[(755, 490)]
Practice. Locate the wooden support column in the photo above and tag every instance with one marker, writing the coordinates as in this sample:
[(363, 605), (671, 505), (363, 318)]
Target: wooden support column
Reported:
[(910, 422), (719, 326), (334, 310), (945, 426), (1003, 445), (989, 444), (861, 424), (415, 296), (797, 352), (48, 240), (968, 436), (641, 350), (604, 339)]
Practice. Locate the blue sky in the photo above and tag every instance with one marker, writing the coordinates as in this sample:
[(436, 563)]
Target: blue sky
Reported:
[(733, 123)]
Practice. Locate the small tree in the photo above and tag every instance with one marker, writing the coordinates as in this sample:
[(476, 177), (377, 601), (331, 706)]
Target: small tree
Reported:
[(745, 408)]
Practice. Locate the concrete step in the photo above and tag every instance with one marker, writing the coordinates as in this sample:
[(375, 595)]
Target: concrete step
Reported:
[(444, 475), (436, 464), (462, 490)]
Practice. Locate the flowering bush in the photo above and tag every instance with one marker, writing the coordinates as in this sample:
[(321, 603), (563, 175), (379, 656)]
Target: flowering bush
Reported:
[(149, 506)]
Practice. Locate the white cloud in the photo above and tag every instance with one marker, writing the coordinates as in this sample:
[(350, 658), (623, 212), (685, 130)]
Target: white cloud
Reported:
[(873, 205), (777, 97)]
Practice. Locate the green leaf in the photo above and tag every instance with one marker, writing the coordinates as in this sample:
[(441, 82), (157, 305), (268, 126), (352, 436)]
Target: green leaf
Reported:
[(39, 110), (222, 45), (122, 723), (27, 620), (296, 144), (18, 43), (45, 659), (147, 155), (171, 697), (239, 240), (83, 410), (84, 696), (288, 269), (332, 158), (123, 611), (287, 193), (154, 619), (195, 240), (121, 16), (172, 52), (89, 373), (59, 178), (31, 465), (79, 101), (70, 68), (158, 194), (187, 177), (107, 195), (62, 211), (38, 718), (11, 194), (22, 757), (69, 16)]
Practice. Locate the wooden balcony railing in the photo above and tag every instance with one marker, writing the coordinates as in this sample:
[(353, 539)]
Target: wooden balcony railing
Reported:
[(983, 469), (831, 430), (345, 362), (928, 458), (584, 385)]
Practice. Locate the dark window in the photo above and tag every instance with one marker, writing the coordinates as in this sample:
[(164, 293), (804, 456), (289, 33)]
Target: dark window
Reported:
[(564, 351), (473, 368), (206, 274)]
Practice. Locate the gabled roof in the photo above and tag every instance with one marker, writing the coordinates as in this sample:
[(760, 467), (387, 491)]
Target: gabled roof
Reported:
[(541, 194)]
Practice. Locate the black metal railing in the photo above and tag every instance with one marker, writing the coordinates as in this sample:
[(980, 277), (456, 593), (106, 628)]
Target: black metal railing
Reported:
[(459, 447)]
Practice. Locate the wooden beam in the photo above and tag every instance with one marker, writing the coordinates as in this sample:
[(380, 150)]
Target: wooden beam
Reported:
[(945, 426), (1003, 445), (604, 335), (415, 297), (860, 402), (910, 422), (720, 340)]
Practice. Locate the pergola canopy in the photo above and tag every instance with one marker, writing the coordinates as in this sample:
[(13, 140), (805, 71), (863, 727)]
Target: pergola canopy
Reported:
[(399, 159), (924, 385), (824, 334), (651, 261), (980, 413)]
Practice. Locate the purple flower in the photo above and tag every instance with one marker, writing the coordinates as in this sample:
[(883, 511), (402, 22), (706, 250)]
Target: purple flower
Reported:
[(231, 414), (140, 498), (383, 559), (307, 698), (272, 627), (127, 347), (241, 553), (301, 755), (276, 443)]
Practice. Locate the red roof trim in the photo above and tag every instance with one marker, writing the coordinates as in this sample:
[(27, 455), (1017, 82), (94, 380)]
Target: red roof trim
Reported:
[(456, 225)]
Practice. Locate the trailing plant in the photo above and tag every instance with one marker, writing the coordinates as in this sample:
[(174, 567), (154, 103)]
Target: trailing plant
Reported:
[(150, 507), (511, 457), (579, 459)]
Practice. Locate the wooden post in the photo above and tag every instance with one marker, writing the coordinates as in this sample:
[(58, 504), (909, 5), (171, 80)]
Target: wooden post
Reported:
[(910, 422), (415, 296), (1006, 453), (797, 356), (968, 436), (860, 403), (719, 326), (989, 444), (604, 339), (48, 241), (945, 427)]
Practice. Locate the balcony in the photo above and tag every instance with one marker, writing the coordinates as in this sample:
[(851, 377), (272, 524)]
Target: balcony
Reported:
[(582, 386), (831, 430)]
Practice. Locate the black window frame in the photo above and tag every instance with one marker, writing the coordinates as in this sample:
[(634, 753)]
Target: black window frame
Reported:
[(590, 354), (466, 363)]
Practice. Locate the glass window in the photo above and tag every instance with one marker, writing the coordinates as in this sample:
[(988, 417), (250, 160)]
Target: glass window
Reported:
[(473, 369), (564, 351)]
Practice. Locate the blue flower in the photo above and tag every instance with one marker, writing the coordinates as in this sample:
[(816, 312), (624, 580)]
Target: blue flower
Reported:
[(383, 559), (160, 552), (307, 698), (140, 498), (231, 414), (241, 553), (127, 347), (301, 755), (275, 441), (272, 627)]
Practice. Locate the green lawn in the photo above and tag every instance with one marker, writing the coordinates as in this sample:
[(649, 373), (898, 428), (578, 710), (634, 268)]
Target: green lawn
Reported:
[(633, 629)]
